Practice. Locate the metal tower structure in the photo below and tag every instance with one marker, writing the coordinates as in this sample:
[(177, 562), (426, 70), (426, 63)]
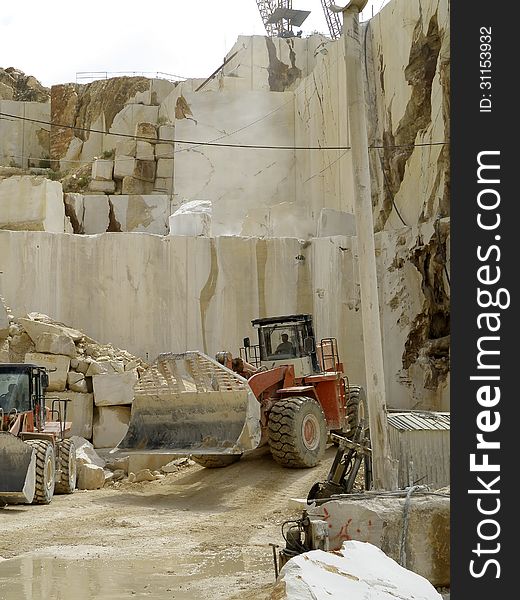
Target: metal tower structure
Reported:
[(268, 8), (333, 20)]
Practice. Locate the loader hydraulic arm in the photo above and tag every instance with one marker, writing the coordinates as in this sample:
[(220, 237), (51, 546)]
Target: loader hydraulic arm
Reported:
[(265, 383)]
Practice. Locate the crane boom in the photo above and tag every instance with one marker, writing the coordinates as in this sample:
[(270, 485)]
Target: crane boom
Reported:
[(267, 8), (333, 20)]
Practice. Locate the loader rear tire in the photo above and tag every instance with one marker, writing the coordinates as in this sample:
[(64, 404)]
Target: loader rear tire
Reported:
[(67, 482), (215, 461), (297, 432), (356, 408), (45, 471)]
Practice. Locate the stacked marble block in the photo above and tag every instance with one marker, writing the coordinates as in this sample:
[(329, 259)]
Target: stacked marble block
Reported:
[(142, 164), (134, 188)]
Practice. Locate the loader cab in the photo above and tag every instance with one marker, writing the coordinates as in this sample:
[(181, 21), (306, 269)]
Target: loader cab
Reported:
[(22, 388), (287, 340)]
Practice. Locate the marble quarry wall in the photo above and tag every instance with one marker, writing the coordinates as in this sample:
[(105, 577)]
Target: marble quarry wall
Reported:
[(152, 294), (237, 181), (408, 102), (240, 233)]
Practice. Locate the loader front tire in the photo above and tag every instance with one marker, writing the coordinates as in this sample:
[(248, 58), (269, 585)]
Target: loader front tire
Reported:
[(67, 465), (215, 461), (45, 471), (297, 432)]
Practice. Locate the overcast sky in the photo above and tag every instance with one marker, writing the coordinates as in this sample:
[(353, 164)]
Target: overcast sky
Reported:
[(55, 39)]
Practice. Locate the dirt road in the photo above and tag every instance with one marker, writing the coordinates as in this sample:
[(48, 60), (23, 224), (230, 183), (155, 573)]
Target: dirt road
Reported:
[(197, 534)]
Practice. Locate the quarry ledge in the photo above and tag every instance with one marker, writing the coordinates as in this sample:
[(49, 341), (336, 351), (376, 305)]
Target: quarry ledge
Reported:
[(167, 238)]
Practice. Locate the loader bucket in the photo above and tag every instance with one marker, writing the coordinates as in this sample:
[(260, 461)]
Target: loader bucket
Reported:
[(190, 404), (17, 470)]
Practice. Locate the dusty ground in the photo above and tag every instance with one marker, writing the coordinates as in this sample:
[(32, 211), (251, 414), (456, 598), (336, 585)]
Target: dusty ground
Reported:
[(198, 533)]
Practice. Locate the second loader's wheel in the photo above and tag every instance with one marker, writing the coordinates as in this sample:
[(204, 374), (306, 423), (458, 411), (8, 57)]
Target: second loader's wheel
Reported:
[(356, 408), (216, 461), (297, 432), (67, 464), (45, 471)]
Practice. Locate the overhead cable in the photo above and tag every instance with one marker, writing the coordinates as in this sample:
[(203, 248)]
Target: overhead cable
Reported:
[(199, 143)]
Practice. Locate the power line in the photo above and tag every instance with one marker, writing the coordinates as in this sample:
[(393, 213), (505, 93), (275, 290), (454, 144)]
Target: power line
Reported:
[(217, 144)]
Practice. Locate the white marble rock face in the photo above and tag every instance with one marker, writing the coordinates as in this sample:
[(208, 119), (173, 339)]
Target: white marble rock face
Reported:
[(358, 571), (22, 141), (262, 193), (192, 219), (126, 120)]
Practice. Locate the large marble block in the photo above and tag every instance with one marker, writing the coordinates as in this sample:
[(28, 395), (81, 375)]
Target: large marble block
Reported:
[(31, 203), (148, 213), (114, 388), (96, 214)]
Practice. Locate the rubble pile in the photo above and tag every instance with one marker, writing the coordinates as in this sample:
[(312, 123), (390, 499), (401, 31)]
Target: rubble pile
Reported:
[(95, 472), (98, 379), (16, 85), (117, 470)]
